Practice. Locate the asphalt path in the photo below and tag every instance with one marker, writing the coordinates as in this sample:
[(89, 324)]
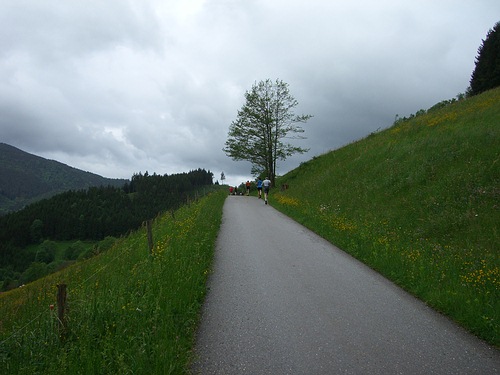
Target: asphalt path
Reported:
[(282, 300)]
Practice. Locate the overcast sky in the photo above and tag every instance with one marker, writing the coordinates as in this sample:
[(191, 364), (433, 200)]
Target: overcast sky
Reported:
[(118, 87)]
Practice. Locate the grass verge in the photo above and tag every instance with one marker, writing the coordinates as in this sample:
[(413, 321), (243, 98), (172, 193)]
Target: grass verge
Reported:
[(420, 203), (129, 311)]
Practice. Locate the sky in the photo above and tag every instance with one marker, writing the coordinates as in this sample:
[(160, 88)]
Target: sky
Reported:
[(119, 87)]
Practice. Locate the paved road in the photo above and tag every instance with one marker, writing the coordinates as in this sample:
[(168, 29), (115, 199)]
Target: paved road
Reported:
[(284, 301)]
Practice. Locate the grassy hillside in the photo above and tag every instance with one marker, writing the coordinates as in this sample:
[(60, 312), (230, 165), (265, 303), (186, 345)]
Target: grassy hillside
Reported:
[(128, 312), (26, 178), (419, 202)]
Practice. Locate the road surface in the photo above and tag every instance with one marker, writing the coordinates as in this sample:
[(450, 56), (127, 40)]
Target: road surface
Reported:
[(282, 300)]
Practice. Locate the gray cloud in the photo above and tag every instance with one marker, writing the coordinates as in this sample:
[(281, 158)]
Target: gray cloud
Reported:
[(121, 87)]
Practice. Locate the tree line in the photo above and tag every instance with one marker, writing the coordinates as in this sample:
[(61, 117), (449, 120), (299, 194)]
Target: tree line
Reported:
[(95, 213), (486, 74), (26, 178)]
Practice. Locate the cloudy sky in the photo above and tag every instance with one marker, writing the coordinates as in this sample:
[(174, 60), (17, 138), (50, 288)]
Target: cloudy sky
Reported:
[(118, 87)]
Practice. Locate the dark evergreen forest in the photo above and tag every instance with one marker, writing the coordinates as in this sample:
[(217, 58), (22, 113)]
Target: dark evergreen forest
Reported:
[(486, 74), (94, 214), (27, 178)]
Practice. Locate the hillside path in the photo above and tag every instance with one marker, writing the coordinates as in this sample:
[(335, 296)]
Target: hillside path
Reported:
[(282, 300)]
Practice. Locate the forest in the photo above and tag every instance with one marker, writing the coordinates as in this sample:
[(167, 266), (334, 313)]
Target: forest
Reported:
[(94, 214), (26, 178)]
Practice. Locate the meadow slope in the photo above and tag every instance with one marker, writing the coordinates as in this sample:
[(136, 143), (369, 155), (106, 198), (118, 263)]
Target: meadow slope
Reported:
[(420, 203), (129, 311)]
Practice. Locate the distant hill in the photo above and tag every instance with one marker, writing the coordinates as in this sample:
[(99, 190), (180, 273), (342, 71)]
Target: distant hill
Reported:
[(27, 178)]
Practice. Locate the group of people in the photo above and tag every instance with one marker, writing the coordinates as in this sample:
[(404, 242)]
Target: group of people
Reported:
[(261, 185)]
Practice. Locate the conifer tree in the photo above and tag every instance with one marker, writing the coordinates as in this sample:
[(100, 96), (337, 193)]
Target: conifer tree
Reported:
[(486, 74)]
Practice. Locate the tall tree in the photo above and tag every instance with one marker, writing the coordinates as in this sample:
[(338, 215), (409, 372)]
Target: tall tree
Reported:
[(265, 120), (486, 74)]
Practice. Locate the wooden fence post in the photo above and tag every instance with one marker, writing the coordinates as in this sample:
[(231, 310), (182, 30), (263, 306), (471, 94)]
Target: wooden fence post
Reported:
[(61, 309)]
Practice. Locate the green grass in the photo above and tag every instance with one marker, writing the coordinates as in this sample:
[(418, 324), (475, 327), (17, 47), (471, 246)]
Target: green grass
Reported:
[(420, 203), (129, 312), (52, 256)]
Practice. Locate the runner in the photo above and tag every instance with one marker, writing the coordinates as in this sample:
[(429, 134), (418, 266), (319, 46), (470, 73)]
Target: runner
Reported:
[(259, 187), (266, 184)]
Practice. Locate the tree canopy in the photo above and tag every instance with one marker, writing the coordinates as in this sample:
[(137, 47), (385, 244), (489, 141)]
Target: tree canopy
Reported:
[(263, 123), (93, 214), (486, 74)]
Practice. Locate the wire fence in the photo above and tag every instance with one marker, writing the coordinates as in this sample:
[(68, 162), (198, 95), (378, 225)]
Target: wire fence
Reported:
[(195, 196)]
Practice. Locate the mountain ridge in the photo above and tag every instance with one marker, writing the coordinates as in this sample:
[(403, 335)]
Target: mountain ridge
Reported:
[(26, 178)]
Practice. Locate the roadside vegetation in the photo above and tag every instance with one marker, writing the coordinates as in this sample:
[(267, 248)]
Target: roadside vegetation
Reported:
[(129, 310), (51, 256), (31, 239), (418, 202)]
